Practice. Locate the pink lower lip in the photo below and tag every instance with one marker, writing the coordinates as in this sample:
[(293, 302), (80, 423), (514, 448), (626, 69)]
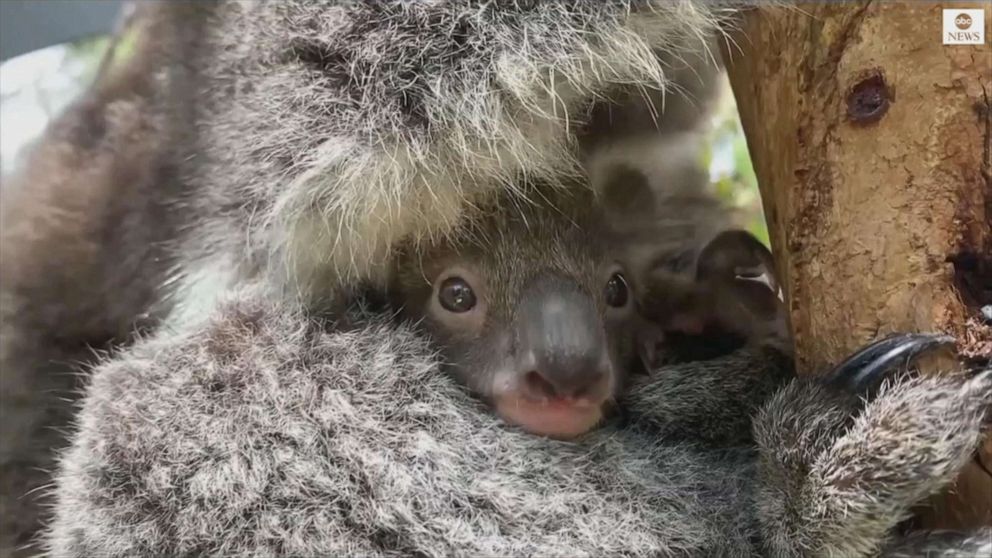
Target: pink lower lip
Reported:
[(556, 418), (563, 403)]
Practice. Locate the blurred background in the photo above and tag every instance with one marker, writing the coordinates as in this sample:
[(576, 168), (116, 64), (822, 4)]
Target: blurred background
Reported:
[(39, 81)]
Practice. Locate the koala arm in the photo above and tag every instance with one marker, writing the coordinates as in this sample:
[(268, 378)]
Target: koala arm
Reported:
[(265, 432), (709, 401), (942, 544), (842, 463)]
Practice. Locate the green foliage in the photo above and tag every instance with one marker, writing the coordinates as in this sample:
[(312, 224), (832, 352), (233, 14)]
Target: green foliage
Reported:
[(731, 171), (87, 53)]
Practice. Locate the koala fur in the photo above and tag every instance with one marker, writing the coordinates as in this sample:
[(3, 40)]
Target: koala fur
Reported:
[(854, 472), (97, 185), (265, 432), (325, 132), (292, 144)]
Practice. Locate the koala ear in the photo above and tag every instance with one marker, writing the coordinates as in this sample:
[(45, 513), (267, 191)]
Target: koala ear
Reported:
[(736, 255), (626, 192), (740, 271)]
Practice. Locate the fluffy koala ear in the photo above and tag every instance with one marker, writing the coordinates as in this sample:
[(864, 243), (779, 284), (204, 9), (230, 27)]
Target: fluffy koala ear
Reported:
[(625, 192), (736, 255), (747, 297)]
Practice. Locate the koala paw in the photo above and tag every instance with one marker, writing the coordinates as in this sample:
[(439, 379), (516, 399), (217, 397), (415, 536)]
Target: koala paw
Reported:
[(844, 459)]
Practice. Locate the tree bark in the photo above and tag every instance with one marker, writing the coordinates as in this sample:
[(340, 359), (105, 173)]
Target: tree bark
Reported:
[(871, 142)]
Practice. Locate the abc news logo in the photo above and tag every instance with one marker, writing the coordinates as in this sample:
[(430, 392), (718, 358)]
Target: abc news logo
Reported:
[(964, 27)]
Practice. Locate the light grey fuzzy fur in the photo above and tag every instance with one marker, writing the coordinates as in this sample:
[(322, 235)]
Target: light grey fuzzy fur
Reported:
[(327, 131), (264, 432), (709, 401), (302, 140), (942, 544), (835, 480), (295, 141)]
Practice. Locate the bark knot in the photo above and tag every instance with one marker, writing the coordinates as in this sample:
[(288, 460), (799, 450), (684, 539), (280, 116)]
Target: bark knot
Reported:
[(869, 99)]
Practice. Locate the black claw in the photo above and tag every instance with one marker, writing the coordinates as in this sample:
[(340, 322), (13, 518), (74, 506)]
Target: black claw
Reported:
[(864, 369)]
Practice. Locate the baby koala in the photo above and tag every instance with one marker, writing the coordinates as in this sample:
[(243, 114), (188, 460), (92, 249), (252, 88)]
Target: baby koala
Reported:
[(532, 308), (712, 300), (705, 286), (529, 308)]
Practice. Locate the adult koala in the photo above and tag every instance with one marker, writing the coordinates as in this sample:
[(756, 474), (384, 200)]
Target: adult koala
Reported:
[(264, 432), (274, 152), (289, 144)]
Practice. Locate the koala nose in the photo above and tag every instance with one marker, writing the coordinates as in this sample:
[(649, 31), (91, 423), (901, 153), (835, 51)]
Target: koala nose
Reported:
[(563, 343), (590, 384)]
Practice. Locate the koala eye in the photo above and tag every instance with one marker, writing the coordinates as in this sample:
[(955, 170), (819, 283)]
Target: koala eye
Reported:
[(455, 295), (617, 292)]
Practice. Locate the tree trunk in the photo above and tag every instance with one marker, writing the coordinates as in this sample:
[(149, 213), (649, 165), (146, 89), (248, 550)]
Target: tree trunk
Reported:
[(871, 142)]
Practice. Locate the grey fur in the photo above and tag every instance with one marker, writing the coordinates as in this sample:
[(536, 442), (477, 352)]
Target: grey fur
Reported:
[(263, 432), (295, 141), (267, 434), (304, 140), (849, 480), (71, 281), (943, 544), (346, 127), (709, 401)]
